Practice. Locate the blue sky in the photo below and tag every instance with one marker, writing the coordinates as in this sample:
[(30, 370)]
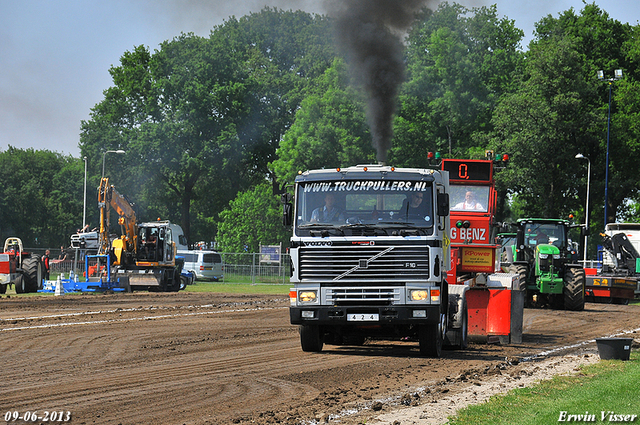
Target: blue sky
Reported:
[(55, 55)]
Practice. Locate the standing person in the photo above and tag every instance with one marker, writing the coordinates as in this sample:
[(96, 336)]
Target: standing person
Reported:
[(63, 255), (47, 266)]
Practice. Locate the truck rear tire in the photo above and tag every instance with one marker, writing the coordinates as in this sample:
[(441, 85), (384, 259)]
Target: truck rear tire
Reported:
[(30, 273), (3, 288), (311, 339), (574, 280)]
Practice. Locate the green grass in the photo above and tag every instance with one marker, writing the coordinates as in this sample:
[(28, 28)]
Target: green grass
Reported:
[(609, 385), (239, 288)]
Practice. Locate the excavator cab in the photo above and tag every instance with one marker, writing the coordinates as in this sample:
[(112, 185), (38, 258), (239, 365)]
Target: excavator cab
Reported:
[(155, 243)]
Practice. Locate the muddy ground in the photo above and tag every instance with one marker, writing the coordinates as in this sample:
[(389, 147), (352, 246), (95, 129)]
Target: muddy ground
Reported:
[(202, 358)]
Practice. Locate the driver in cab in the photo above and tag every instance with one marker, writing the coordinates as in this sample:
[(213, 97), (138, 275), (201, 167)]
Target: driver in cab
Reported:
[(329, 212)]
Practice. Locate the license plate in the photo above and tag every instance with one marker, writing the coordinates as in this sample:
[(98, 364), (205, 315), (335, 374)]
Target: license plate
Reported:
[(363, 317)]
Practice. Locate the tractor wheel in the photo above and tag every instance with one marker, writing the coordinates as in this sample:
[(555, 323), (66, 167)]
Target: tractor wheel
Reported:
[(521, 271), (311, 339), (574, 279), (30, 273), (19, 285)]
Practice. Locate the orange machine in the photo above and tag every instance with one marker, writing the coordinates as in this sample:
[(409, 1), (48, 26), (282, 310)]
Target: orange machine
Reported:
[(494, 301)]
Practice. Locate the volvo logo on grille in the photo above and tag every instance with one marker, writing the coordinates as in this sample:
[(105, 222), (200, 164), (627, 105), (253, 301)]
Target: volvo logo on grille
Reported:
[(318, 243)]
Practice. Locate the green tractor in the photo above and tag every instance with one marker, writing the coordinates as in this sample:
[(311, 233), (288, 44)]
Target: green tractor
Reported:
[(546, 261)]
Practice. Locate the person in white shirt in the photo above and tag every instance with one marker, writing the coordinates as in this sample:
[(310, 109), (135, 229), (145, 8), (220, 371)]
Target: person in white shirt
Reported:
[(469, 203)]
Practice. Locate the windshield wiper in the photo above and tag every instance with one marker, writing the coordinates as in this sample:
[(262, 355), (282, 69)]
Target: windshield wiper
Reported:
[(364, 226), (406, 227), (320, 229)]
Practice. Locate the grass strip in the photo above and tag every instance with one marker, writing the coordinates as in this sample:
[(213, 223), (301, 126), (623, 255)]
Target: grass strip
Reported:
[(239, 288), (598, 391)]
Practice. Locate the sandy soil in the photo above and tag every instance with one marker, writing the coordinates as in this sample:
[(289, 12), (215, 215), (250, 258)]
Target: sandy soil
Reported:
[(194, 358)]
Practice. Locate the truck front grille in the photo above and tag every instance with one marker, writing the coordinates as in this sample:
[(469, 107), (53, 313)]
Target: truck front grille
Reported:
[(358, 296), (360, 264)]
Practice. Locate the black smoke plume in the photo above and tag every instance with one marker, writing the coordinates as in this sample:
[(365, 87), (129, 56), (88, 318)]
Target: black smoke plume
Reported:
[(370, 32)]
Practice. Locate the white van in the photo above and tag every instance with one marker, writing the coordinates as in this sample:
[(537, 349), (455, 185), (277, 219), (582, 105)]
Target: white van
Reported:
[(206, 265)]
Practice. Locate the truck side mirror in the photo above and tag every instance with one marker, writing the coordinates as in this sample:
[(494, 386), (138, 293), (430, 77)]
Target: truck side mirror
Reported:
[(443, 204), (287, 209)]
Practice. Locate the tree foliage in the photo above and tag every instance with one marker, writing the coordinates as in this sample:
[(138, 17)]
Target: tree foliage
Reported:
[(329, 129), (252, 219), (41, 198), (209, 124), (460, 62), (200, 118)]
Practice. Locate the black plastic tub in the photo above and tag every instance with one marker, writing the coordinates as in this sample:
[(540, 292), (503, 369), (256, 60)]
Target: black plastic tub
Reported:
[(614, 348)]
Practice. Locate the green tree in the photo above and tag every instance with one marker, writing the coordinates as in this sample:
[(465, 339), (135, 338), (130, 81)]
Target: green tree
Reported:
[(41, 196), (330, 129), (543, 125), (459, 63), (604, 44), (201, 117), (252, 219)]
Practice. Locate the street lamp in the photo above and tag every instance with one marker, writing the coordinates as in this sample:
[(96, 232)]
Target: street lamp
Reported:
[(617, 76), (84, 204), (105, 155), (586, 208)]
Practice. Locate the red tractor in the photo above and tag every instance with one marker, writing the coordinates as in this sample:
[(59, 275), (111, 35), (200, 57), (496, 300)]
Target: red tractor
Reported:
[(19, 268)]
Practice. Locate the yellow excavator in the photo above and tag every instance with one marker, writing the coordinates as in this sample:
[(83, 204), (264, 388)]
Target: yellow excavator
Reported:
[(145, 254)]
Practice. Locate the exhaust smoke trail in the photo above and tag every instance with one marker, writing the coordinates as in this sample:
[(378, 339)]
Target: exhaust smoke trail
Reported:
[(370, 32)]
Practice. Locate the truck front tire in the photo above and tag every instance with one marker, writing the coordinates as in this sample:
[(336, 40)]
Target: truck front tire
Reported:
[(430, 340), (311, 339)]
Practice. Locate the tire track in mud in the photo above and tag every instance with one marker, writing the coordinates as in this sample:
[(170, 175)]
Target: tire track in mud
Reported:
[(236, 378), (242, 364)]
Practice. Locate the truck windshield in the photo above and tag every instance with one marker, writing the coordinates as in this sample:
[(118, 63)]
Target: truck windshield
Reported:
[(469, 198), (364, 207)]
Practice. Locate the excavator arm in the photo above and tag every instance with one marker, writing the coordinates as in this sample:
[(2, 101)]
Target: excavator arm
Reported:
[(108, 197)]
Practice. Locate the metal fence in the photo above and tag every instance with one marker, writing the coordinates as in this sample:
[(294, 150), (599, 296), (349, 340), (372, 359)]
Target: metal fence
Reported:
[(238, 267), (251, 268)]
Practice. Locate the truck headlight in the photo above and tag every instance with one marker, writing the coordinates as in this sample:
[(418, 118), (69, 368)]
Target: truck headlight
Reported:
[(307, 296), (419, 295)]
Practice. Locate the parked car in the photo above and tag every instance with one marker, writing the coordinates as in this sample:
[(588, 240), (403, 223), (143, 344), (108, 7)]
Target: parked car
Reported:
[(205, 265)]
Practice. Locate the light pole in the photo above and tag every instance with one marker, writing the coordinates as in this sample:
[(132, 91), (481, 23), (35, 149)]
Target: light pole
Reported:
[(617, 76), (84, 204), (104, 155), (586, 208)]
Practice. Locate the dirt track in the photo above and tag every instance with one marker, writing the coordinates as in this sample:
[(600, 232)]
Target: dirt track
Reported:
[(194, 358)]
